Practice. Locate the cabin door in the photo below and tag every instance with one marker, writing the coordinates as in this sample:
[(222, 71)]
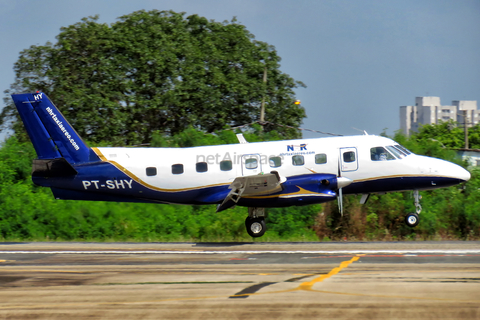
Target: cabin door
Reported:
[(348, 159)]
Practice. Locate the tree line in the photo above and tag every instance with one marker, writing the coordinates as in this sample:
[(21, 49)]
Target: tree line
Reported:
[(28, 212), (164, 79), (157, 71)]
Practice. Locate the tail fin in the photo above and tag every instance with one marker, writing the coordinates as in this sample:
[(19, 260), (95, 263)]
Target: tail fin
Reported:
[(51, 134)]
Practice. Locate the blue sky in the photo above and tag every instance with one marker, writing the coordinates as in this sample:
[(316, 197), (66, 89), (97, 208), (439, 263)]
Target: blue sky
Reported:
[(361, 60)]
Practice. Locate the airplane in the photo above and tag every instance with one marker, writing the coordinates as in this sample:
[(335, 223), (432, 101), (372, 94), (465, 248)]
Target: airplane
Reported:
[(255, 175)]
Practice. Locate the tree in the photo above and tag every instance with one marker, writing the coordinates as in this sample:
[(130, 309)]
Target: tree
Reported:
[(157, 71), (449, 134)]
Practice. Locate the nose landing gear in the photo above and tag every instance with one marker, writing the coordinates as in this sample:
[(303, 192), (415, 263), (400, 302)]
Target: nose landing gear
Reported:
[(412, 219)]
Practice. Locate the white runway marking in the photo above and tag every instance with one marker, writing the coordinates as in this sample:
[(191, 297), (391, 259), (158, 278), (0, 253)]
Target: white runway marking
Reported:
[(405, 252)]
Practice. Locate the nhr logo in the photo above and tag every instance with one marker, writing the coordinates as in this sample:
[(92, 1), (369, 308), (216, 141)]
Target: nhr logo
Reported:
[(302, 147)]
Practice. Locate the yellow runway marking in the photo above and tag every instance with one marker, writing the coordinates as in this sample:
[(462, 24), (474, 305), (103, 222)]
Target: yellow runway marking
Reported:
[(309, 284)]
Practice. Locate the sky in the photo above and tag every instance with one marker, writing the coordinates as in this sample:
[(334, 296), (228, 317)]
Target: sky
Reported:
[(361, 60)]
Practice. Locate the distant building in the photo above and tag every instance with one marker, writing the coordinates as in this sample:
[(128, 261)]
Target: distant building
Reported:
[(428, 110), (472, 156)]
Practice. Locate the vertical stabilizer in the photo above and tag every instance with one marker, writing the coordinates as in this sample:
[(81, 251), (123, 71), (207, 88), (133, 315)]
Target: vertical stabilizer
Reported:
[(51, 134)]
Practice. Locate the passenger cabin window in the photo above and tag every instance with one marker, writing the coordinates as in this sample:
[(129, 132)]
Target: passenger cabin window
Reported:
[(177, 168), (151, 171), (320, 158), (380, 154), (226, 165), (298, 160), (349, 156), (202, 167), (275, 162), (251, 163)]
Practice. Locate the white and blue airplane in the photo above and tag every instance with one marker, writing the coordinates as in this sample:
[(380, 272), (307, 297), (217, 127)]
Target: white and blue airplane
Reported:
[(255, 175)]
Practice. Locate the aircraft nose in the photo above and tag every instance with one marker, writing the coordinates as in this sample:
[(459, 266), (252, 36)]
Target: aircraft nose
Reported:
[(455, 171), (452, 173), (463, 174)]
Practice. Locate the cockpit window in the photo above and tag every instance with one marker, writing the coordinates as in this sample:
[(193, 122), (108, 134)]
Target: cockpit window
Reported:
[(380, 154), (396, 152), (405, 150), (400, 150)]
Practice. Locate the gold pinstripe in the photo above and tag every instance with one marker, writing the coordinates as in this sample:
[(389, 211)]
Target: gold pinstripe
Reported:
[(143, 183)]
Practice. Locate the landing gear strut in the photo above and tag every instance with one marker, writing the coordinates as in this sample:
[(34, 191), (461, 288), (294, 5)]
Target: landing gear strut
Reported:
[(412, 219), (255, 222)]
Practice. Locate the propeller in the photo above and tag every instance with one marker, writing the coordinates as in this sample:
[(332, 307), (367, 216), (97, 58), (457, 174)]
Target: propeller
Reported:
[(341, 182), (340, 201)]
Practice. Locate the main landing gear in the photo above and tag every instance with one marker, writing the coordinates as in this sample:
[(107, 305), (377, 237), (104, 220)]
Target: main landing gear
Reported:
[(255, 222), (412, 219)]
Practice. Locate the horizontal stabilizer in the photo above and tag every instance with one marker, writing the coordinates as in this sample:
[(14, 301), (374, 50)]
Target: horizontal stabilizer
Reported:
[(52, 168)]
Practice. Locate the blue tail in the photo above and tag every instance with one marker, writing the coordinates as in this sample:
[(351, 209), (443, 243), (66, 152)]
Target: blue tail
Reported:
[(51, 134)]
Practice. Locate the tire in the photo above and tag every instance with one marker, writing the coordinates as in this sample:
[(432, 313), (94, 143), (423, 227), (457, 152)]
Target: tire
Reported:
[(255, 227), (412, 219)]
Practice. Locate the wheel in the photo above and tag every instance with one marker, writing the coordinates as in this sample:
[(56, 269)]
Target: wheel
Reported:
[(412, 219), (255, 226)]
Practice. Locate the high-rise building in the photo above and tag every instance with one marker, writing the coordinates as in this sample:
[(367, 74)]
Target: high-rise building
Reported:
[(428, 110)]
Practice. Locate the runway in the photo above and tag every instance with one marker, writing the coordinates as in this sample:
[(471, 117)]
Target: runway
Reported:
[(387, 280)]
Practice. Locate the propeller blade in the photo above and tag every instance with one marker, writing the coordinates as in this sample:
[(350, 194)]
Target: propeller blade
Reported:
[(340, 201), (339, 186), (341, 183)]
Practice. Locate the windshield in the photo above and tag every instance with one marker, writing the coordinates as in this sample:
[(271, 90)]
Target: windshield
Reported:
[(389, 153), (380, 154), (403, 149), (399, 154)]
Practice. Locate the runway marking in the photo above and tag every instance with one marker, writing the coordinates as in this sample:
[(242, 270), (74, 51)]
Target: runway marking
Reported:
[(395, 256), (306, 286), (344, 252), (309, 284)]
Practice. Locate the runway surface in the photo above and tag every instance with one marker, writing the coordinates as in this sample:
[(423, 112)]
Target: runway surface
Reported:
[(387, 280)]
